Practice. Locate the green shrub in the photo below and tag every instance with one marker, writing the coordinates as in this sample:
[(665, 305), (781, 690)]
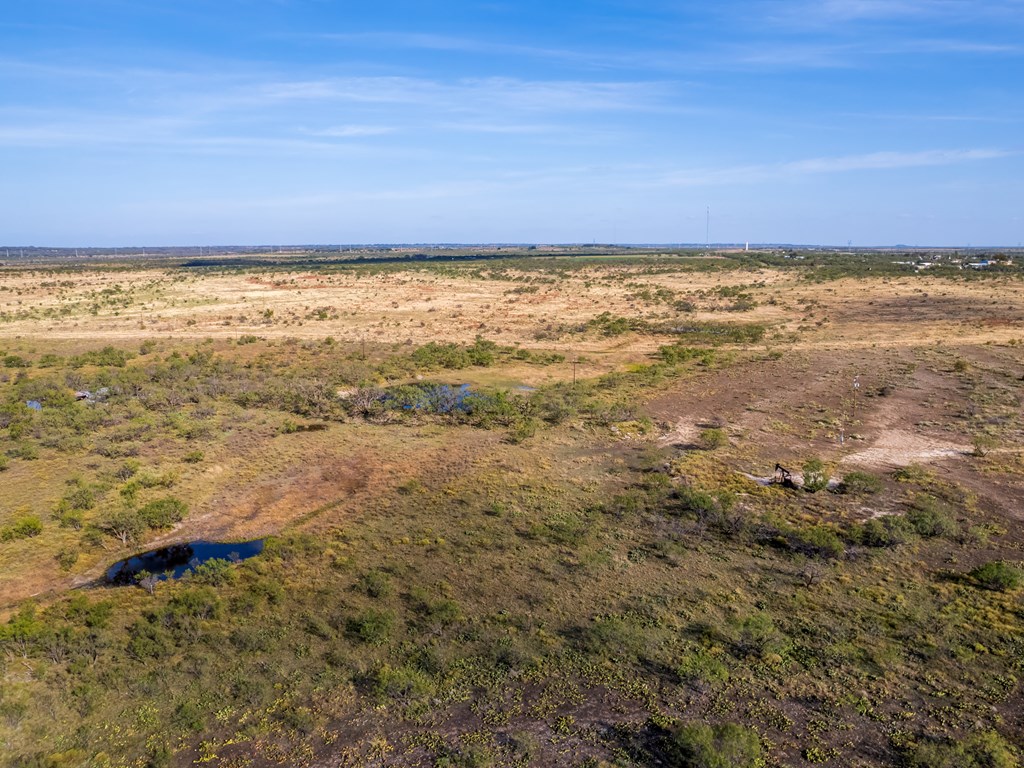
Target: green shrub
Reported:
[(434, 355), (194, 602), (613, 325), (816, 541), (702, 503), (125, 525), (984, 444), (610, 637), (858, 483), (69, 510), (147, 641), (887, 531), (820, 754), (26, 451), (979, 750), (998, 576), (815, 475), (108, 356), (214, 572), (163, 513), (375, 584), (522, 429), (372, 626), (188, 716), (25, 527), (713, 438), (675, 354), (728, 745), (400, 683), (66, 558), (929, 517), (702, 668), (757, 635)]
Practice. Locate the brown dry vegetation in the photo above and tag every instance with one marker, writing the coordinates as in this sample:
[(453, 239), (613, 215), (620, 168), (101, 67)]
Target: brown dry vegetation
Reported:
[(490, 518)]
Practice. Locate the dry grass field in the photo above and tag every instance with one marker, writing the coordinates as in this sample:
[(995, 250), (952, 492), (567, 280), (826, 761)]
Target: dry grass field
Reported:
[(237, 393)]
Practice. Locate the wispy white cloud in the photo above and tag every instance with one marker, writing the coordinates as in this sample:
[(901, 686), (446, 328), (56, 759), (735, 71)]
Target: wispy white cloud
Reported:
[(948, 46), (904, 117), (470, 94), (874, 161), (127, 132), (183, 111), (330, 201), (350, 131), (848, 10), (454, 44), (499, 127), (892, 160), (28, 128), (814, 12)]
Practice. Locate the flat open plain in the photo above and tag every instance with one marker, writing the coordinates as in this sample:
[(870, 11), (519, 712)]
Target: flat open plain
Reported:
[(239, 392)]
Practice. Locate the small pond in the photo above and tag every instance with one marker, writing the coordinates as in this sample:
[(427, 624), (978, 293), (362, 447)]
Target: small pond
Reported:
[(179, 558)]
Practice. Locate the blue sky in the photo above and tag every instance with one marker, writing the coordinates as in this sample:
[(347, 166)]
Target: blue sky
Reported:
[(309, 121)]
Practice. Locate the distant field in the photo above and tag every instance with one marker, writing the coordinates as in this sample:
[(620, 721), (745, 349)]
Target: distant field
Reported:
[(585, 556)]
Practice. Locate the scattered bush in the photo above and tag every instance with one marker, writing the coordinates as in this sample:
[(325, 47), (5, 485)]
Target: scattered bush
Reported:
[(66, 558), (728, 745), (815, 476), (163, 513), (372, 627), (108, 356), (860, 483), (375, 584), (930, 517), (610, 637), (400, 683), (984, 444), (758, 636), (702, 668), (979, 750), (26, 451), (675, 354), (521, 430), (887, 531), (70, 510), (814, 541), (713, 438), (25, 527), (125, 525), (188, 716), (998, 576), (215, 571)]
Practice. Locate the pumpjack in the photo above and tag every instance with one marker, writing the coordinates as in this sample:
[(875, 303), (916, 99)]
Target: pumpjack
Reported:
[(783, 477)]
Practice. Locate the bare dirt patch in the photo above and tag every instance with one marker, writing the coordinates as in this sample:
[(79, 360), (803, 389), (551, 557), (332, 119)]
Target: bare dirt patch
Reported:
[(899, 448)]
